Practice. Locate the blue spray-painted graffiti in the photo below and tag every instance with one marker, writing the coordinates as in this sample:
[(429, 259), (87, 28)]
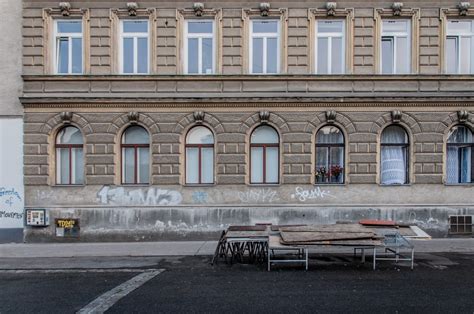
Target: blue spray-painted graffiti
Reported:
[(9, 196), (200, 197)]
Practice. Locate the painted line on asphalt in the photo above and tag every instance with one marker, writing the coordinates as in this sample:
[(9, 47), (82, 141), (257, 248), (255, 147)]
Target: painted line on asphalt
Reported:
[(108, 299), (66, 270)]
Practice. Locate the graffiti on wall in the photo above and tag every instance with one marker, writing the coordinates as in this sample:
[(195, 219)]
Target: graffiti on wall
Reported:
[(258, 196), (10, 199), (200, 197), (138, 196), (317, 193)]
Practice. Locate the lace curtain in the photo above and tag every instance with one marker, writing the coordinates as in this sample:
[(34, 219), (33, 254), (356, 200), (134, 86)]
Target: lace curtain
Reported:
[(393, 159)]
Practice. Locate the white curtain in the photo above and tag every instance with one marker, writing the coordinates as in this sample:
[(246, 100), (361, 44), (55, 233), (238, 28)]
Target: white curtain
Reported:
[(393, 159), (452, 165)]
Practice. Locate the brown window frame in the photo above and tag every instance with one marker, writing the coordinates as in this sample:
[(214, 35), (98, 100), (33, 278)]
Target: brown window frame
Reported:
[(199, 146), (264, 157), (135, 155), (69, 147), (329, 146), (406, 147)]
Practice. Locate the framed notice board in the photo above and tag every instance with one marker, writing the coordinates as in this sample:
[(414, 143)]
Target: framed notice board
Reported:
[(67, 227)]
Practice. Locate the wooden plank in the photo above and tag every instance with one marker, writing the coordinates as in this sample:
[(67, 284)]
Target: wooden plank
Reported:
[(335, 228), (312, 236)]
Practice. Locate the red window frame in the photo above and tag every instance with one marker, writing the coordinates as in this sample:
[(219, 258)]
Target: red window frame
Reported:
[(264, 157), (69, 147), (199, 146)]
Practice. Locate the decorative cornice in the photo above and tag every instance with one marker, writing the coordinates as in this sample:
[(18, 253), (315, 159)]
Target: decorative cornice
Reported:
[(133, 117), (331, 8), (463, 115), (396, 116), (397, 8), (264, 116), (65, 8), (97, 104), (66, 116), (132, 8), (198, 8), (264, 8), (464, 8), (330, 116), (198, 116)]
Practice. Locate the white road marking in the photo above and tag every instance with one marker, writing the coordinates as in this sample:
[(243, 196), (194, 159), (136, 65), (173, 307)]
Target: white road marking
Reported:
[(108, 299), (70, 270)]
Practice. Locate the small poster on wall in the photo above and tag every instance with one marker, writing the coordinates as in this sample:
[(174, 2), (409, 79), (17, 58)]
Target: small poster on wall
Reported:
[(67, 227)]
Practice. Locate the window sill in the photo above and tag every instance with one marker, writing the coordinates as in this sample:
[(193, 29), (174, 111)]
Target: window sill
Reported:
[(135, 185), (202, 185), (391, 185), (329, 184), (68, 185), (263, 184), (459, 184)]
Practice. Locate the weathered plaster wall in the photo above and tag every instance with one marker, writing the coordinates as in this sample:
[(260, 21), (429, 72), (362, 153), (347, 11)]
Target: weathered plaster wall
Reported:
[(117, 213)]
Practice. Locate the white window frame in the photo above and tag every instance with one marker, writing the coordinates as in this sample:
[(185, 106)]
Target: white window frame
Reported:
[(458, 35), (135, 37), (265, 36), (396, 35), (69, 36), (200, 37), (330, 36)]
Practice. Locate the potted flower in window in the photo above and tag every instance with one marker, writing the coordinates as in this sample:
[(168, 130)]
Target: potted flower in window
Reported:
[(320, 174), (336, 171)]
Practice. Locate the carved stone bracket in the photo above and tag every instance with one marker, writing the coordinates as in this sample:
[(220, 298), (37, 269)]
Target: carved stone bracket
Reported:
[(397, 8), (198, 8), (331, 8), (66, 116), (463, 8), (199, 116), (264, 8), (132, 8), (330, 116), (65, 8), (133, 117), (463, 115), (264, 116), (396, 116)]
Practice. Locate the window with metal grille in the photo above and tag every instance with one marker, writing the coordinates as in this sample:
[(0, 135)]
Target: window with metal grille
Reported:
[(460, 224)]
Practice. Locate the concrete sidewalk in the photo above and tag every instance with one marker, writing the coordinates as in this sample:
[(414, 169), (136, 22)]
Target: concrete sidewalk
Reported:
[(185, 248)]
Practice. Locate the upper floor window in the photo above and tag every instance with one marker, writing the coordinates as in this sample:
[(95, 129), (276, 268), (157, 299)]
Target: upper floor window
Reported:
[(264, 155), (200, 156), (330, 47), (394, 155), (264, 47), (199, 47), (68, 47), (329, 155), (395, 47), (460, 146), (69, 156), (134, 47), (459, 47), (135, 156)]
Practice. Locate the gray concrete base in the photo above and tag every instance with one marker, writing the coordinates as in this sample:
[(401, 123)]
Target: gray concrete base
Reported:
[(205, 223), (11, 235)]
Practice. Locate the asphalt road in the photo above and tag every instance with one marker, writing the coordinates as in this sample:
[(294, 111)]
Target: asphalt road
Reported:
[(440, 283)]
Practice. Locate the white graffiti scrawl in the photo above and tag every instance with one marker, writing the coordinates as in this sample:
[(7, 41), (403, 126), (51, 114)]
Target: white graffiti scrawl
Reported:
[(258, 196), (145, 196), (316, 193)]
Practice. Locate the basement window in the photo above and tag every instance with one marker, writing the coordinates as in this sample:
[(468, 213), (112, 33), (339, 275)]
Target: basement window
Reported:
[(460, 224)]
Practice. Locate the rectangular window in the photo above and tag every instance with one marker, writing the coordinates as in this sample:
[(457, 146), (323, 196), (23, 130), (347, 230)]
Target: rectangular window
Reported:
[(134, 47), (395, 47), (459, 48), (199, 47), (330, 47), (264, 47), (68, 47)]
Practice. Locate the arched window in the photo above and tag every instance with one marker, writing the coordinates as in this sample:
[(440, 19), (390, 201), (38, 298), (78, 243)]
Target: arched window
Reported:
[(394, 155), (199, 156), (69, 156), (264, 155), (135, 156), (329, 155), (460, 156)]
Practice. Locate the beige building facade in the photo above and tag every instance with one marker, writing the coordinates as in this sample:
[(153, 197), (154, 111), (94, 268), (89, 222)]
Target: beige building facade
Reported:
[(170, 120)]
